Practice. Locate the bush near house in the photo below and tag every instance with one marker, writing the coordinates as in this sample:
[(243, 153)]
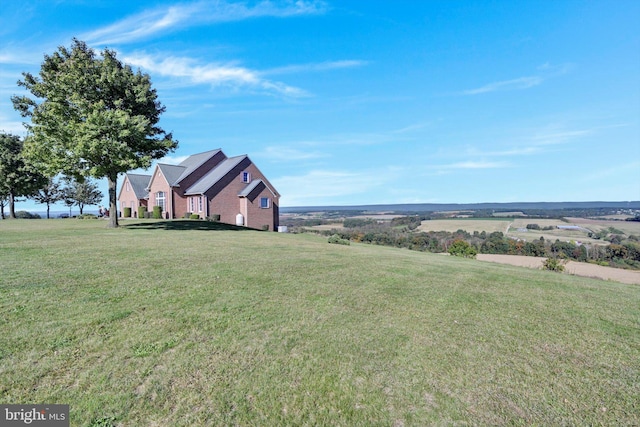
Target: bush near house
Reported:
[(157, 212), (127, 212), (142, 211)]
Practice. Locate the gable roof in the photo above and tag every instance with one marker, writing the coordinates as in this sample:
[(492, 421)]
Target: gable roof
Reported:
[(256, 184), (193, 162), (139, 184), (174, 174), (215, 175), (171, 173)]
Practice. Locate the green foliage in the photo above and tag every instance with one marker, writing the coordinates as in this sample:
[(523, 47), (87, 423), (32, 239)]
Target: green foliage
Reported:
[(26, 215), (533, 227), (87, 216), (142, 212), (194, 216), (157, 212), (18, 176), (127, 212), (462, 249), (356, 222), (554, 264), (49, 194), (91, 116), (81, 192), (336, 239)]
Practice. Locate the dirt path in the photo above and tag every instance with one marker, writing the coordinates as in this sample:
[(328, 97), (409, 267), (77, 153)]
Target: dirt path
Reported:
[(576, 268)]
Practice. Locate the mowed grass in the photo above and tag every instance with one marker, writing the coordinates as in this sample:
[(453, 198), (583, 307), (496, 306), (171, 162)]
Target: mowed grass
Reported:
[(166, 325)]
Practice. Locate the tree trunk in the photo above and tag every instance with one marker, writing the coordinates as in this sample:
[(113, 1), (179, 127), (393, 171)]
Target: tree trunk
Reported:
[(48, 205), (113, 213), (81, 206), (2, 208), (12, 206)]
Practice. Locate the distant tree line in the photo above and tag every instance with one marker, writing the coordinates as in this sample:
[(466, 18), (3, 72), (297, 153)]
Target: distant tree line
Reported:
[(623, 252), (20, 179)]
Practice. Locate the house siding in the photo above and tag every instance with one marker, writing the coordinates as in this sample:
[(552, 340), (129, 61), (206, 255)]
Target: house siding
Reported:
[(128, 198), (159, 183), (181, 202), (222, 198)]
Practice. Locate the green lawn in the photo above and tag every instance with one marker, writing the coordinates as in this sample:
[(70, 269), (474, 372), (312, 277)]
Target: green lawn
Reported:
[(185, 324)]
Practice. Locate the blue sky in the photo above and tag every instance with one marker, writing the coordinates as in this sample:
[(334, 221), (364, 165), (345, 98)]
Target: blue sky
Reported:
[(374, 102)]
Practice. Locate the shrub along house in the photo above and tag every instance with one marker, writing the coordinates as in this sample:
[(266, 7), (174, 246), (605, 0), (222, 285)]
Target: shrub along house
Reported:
[(210, 185)]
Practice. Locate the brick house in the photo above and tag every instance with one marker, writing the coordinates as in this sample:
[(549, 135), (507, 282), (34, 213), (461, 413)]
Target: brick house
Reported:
[(206, 184)]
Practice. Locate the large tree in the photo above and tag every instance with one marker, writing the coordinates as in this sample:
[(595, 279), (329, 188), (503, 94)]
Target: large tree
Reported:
[(92, 116), (17, 176)]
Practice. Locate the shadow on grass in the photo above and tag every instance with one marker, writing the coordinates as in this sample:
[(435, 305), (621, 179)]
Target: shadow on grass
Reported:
[(185, 225)]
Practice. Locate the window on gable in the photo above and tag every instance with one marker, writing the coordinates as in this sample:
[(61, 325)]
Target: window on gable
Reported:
[(264, 202), (246, 176), (128, 187)]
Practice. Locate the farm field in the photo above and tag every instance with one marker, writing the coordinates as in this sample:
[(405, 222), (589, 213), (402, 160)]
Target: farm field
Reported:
[(517, 227), (194, 323), (470, 225)]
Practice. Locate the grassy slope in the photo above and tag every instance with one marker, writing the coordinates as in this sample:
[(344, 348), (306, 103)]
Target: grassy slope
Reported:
[(144, 326)]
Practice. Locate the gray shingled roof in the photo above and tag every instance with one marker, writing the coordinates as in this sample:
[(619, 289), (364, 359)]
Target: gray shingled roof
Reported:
[(171, 173), (215, 175), (139, 184), (191, 163), (249, 188)]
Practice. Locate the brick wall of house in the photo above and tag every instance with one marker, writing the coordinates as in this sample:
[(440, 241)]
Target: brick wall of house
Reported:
[(181, 202), (224, 200), (258, 217), (128, 199), (159, 183)]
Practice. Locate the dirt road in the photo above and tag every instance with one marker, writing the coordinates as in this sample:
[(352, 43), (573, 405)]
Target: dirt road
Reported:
[(576, 268)]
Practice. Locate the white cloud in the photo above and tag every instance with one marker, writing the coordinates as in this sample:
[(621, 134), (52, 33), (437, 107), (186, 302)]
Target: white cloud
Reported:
[(172, 160), (554, 138), (476, 165), (515, 84), (281, 153), (213, 74), (320, 187), (166, 19), (316, 67)]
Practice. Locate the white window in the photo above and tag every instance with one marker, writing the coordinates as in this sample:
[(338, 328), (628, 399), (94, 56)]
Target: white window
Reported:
[(133, 205), (246, 176), (200, 204), (128, 187), (264, 202), (160, 199), (191, 205)]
